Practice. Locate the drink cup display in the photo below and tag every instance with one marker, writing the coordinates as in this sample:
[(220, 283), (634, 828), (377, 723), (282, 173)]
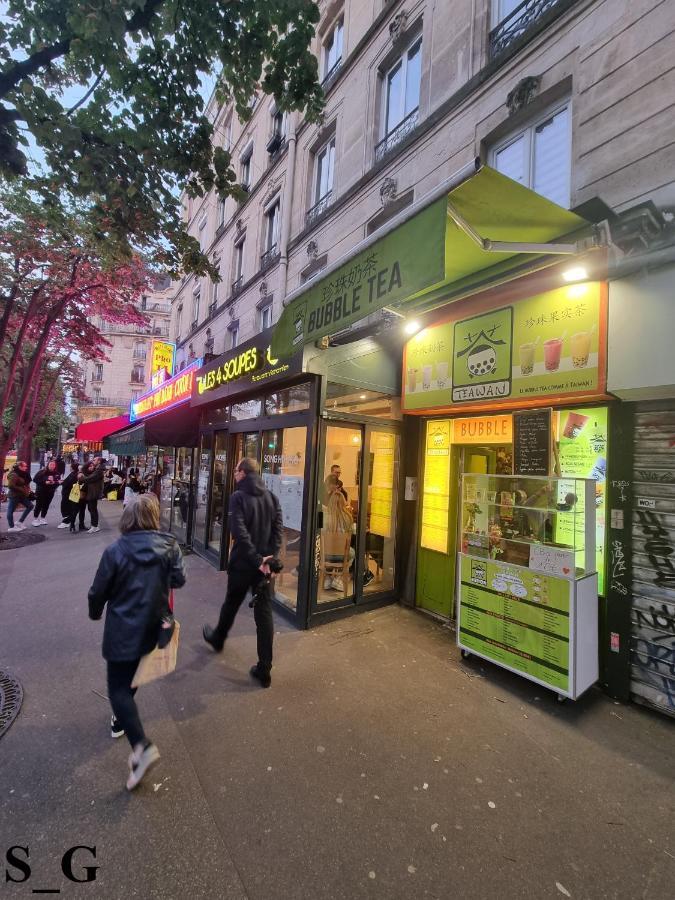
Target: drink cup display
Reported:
[(412, 379), (426, 378), (574, 425), (442, 373), (581, 347), (552, 351), (526, 359)]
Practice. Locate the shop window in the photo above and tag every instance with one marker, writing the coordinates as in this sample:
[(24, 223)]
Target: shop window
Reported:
[(539, 156), (346, 398), (283, 471), (247, 409), (292, 399)]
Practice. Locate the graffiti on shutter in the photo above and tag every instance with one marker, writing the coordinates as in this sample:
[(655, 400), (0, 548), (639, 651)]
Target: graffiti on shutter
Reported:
[(653, 612)]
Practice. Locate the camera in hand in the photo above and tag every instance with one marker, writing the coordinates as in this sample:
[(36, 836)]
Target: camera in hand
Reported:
[(264, 587), (275, 565)]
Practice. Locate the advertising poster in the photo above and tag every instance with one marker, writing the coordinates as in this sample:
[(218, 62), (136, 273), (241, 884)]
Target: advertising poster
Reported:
[(382, 490), (162, 358), (543, 346), (583, 454), (518, 618), (436, 487)]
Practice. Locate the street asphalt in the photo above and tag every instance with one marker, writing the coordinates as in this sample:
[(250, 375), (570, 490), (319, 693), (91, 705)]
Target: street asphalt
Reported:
[(379, 764)]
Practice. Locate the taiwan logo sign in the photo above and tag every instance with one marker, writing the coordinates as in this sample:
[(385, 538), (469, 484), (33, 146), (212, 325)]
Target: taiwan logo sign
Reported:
[(481, 365)]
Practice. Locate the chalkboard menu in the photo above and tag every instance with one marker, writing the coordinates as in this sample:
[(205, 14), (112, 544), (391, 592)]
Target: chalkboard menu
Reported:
[(532, 442)]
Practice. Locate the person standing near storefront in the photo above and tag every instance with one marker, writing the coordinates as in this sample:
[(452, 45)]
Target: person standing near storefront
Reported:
[(68, 507), (91, 488), (256, 526), (46, 482), (18, 489)]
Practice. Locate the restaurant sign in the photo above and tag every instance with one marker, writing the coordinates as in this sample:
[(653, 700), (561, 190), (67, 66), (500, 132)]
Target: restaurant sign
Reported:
[(246, 367), (161, 362), (173, 392)]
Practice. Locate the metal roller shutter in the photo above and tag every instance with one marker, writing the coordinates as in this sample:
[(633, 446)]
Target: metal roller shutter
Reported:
[(653, 610)]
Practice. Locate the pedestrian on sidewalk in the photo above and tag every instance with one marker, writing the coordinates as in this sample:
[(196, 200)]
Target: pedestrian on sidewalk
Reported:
[(91, 485), (256, 527), (46, 482), (132, 487), (69, 509), (134, 578), (19, 493)]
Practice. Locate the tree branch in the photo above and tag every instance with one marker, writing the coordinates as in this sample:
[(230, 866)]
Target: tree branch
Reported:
[(88, 94)]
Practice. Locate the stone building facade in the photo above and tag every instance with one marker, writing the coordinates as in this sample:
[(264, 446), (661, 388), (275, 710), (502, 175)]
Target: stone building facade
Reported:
[(113, 383), (569, 97)]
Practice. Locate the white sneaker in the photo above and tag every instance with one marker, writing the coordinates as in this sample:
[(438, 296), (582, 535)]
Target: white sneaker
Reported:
[(36, 523), (140, 762), (62, 525), (43, 522), (93, 530), (15, 529), (19, 527)]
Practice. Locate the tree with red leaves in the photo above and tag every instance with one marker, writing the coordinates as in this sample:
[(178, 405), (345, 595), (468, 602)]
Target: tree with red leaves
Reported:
[(54, 288)]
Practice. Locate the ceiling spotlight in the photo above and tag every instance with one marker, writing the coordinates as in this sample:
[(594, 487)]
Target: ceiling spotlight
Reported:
[(412, 327), (362, 396), (576, 273)]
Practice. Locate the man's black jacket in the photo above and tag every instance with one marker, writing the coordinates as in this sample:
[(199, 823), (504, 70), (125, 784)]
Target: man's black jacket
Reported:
[(256, 524), (134, 577)]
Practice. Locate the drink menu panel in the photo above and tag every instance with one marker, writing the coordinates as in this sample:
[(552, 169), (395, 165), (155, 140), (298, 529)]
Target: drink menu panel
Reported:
[(436, 487)]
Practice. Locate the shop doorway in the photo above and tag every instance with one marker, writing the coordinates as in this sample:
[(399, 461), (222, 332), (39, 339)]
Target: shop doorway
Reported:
[(355, 551), (440, 525)]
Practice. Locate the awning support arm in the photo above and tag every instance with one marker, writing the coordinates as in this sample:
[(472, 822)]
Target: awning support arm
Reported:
[(507, 246)]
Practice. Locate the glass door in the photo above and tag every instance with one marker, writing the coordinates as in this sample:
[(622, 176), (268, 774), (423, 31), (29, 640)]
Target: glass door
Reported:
[(247, 443), (180, 494), (202, 488), (381, 502), (217, 513)]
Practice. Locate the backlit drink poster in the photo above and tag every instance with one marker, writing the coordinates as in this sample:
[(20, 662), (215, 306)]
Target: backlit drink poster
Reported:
[(436, 487), (548, 345), (582, 451)]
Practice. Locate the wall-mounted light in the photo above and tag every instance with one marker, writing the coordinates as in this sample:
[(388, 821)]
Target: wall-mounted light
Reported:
[(576, 273), (362, 396), (412, 327)]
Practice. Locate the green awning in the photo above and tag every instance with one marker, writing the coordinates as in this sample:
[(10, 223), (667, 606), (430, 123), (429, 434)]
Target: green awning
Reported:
[(486, 222), (129, 442)]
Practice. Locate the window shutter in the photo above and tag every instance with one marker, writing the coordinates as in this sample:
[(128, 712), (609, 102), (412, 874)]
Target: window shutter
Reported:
[(551, 175), (510, 160)]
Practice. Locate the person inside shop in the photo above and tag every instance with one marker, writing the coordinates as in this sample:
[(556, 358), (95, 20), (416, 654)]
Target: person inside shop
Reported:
[(333, 483), (256, 526), (338, 520)]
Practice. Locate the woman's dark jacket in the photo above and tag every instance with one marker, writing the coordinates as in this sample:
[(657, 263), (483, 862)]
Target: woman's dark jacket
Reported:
[(134, 577), (18, 483), (42, 488), (67, 485), (91, 484)]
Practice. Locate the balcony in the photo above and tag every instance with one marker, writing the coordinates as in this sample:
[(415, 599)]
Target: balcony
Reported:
[(313, 214), (521, 20), (269, 257), (212, 308), (396, 135), (95, 376), (237, 286), (116, 402), (193, 325), (330, 76), (156, 307), (122, 328)]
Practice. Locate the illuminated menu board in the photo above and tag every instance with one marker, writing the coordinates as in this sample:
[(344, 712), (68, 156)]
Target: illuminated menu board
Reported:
[(383, 447), (436, 487)]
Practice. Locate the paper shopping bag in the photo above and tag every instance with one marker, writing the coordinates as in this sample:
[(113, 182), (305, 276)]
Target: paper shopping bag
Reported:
[(158, 663)]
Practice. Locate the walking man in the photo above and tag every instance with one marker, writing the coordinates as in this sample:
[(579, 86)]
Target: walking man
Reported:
[(18, 483), (256, 527)]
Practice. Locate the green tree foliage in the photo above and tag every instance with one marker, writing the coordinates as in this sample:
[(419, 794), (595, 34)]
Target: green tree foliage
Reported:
[(138, 132)]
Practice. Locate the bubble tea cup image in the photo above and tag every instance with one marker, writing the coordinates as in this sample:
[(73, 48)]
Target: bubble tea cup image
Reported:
[(581, 347), (552, 350), (412, 380), (574, 425), (442, 374), (426, 377), (526, 359)]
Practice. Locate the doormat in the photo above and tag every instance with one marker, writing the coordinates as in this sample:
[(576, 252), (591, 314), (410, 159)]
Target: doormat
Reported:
[(11, 698), (17, 539)]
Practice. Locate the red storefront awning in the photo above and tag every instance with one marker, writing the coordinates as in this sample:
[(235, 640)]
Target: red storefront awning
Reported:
[(96, 431)]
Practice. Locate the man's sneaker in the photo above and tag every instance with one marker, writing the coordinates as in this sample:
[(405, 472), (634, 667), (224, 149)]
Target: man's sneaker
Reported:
[(93, 529), (63, 525), (260, 675), (43, 522), (116, 730), (210, 637), (15, 529), (368, 577), (36, 523), (140, 762)]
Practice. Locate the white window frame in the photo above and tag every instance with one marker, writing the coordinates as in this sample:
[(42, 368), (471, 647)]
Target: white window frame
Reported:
[(403, 62), (265, 311), (238, 262), (97, 394), (272, 224), (233, 336), (323, 152), (202, 234), (196, 303), (222, 204), (215, 284), (179, 318), (98, 373), (330, 58), (496, 11), (246, 166), (137, 370), (528, 132)]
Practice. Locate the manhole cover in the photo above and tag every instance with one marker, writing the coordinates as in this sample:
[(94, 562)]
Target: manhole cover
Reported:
[(11, 697)]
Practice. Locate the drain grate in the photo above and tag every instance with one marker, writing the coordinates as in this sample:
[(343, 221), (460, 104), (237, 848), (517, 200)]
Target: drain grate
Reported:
[(11, 698)]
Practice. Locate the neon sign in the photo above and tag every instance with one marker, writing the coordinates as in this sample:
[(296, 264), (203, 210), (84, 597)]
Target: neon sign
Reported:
[(247, 362), (173, 392)]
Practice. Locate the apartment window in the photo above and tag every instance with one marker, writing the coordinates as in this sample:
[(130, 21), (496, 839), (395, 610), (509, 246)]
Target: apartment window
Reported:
[(332, 50), (265, 315), (138, 374), (232, 336), (272, 218), (196, 299), (539, 156), (215, 289), (208, 343), (238, 268), (179, 319), (402, 87), (98, 372), (139, 350), (221, 211), (325, 166), (97, 395), (503, 8), (245, 173), (202, 235)]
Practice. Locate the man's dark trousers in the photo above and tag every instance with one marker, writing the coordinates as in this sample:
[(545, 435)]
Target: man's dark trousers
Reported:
[(238, 584)]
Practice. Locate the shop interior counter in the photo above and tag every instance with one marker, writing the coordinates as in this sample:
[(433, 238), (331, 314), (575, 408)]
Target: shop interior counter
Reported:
[(526, 582)]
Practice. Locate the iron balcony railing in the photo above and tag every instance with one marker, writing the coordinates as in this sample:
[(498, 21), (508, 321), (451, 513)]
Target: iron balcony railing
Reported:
[(156, 307), (122, 328), (105, 401), (329, 77), (396, 135), (313, 214), (269, 257), (237, 285), (519, 21)]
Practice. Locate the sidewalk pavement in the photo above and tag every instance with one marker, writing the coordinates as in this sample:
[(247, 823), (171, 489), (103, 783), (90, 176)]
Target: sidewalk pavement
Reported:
[(378, 765)]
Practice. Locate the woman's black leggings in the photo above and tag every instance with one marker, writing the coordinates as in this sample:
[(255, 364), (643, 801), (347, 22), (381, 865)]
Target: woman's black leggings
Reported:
[(121, 694), (42, 503), (92, 506)]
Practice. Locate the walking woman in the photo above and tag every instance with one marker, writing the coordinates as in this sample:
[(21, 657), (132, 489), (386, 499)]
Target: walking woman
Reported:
[(69, 509), (18, 484), (46, 482), (134, 578)]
